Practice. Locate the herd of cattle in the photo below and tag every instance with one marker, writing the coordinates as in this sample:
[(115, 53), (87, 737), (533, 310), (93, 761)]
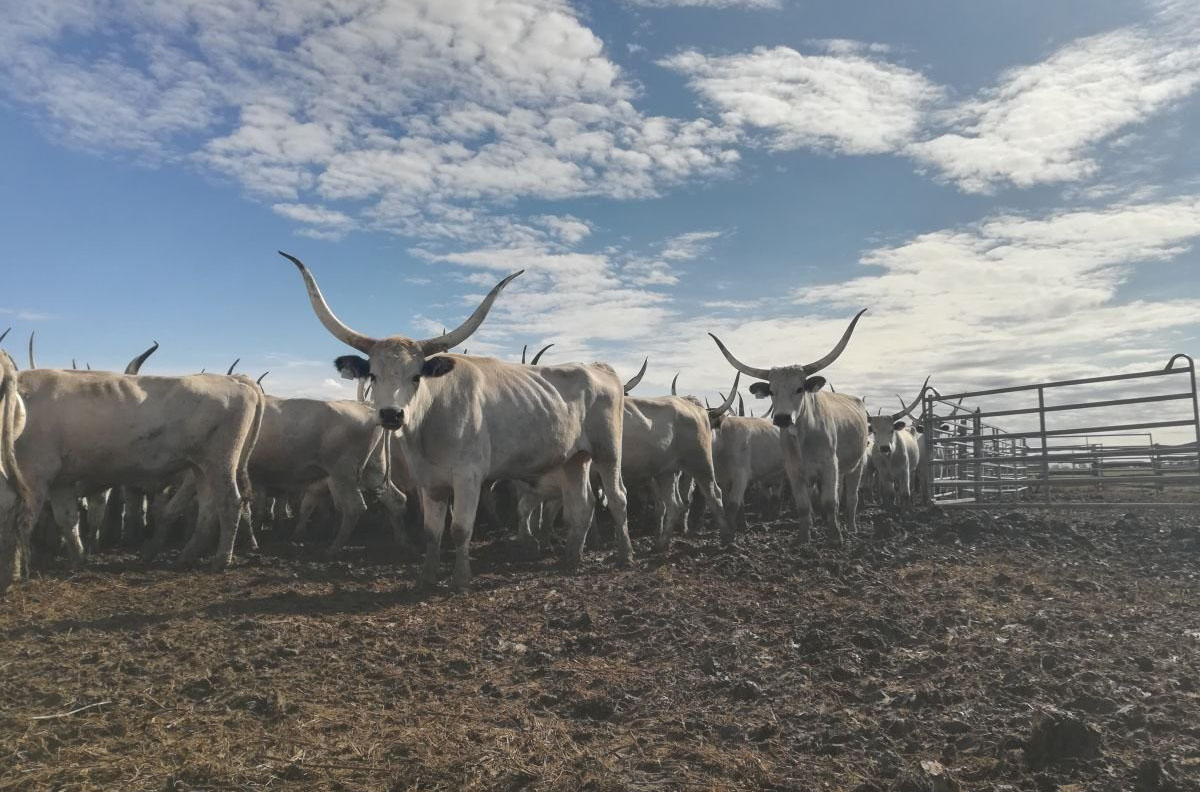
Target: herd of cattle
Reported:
[(216, 452)]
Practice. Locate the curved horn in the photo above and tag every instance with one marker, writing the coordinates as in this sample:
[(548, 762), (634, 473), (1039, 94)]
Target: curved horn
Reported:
[(448, 341), (233, 365), (258, 381), (203, 370), (908, 410), (741, 407), (32, 365), (832, 389), (135, 365), (541, 352), (821, 363), (957, 407), (334, 325), (89, 366), (2, 335), (633, 383), (74, 365), (673, 381), (524, 349), (715, 411), (751, 371)]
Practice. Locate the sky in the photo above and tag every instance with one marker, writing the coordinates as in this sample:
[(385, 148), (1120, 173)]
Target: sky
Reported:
[(1011, 189)]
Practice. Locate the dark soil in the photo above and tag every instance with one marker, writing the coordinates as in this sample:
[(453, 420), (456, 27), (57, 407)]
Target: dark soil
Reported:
[(972, 651)]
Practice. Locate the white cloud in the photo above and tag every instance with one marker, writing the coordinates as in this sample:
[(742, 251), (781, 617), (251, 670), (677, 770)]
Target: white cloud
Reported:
[(686, 247), (1041, 122), (844, 102), (408, 109)]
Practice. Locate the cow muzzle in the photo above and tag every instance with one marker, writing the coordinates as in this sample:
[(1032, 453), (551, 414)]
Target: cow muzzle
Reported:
[(783, 421), (390, 418), (885, 450)]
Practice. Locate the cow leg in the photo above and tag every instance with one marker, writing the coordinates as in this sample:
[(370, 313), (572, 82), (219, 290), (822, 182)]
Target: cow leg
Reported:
[(349, 500), (577, 505), (97, 511), (686, 486), (395, 503), (462, 525), (609, 470), (735, 503), (829, 480), (17, 521), (166, 514), (435, 524), (227, 508), (529, 507), (246, 515), (803, 498), (853, 480), (206, 521), (65, 506), (308, 506), (133, 521), (667, 495), (706, 484)]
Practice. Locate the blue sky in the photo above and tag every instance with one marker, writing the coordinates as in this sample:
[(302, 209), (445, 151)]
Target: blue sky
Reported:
[(1013, 189)]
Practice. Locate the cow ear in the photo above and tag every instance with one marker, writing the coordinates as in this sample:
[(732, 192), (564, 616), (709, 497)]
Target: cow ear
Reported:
[(761, 390), (898, 425), (437, 366), (814, 384), (352, 366)]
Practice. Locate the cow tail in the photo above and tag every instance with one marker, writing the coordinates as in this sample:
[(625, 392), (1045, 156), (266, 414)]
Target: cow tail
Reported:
[(243, 469), (8, 436)]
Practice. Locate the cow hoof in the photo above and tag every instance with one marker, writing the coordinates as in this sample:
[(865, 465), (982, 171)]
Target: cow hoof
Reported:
[(622, 560), (218, 565), (461, 586), (570, 563)]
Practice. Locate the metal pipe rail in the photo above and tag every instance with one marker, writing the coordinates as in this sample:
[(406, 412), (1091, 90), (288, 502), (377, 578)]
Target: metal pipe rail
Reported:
[(975, 459)]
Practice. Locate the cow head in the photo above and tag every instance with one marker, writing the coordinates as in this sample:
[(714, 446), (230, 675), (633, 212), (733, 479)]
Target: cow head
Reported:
[(396, 366), (789, 387), (884, 427)]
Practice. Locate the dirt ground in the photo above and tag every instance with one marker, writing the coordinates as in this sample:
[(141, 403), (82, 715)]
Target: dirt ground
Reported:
[(973, 651)]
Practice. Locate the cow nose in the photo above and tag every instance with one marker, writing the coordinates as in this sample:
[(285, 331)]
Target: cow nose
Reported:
[(783, 421), (885, 449), (391, 418)]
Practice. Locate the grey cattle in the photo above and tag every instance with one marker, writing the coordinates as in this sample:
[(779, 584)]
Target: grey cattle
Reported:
[(470, 420), (823, 436), (895, 453), (333, 443), (746, 451), (664, 439), (98, 429)]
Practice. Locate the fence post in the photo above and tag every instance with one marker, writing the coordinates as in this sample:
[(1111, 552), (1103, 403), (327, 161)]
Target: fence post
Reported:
[(977, 430), (1042, 430), (930, 430)]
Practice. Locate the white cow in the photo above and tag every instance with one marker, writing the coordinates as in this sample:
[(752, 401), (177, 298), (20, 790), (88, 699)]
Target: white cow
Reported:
[(895, 454), (823, 435), (333, 443), (664, 439), (746, 451), (469, 420), (98, 429)]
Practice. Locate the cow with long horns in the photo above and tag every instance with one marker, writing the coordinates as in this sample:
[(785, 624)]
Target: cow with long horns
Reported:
[(895, 453), (469, 420), (823, 435), (667, 443), (92, 430)]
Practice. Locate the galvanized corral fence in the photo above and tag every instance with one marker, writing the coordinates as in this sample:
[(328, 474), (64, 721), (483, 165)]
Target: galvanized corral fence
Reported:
[(1068, 439)]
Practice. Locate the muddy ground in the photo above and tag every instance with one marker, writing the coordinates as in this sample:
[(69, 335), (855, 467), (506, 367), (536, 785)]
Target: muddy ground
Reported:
[(995, 651)]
